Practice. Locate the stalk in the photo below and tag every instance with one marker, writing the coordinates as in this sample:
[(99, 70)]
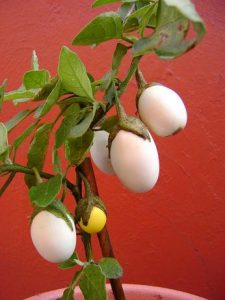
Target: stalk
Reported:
[(103, 236)]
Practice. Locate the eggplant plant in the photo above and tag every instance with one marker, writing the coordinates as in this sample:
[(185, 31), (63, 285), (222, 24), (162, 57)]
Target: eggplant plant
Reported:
[(119, 145)]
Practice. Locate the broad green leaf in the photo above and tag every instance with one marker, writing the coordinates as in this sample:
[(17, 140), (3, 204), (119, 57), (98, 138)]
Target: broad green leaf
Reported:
[(50, 101), (34, 61), (92, 283), (70, 263), (166, 42), (103, 2), (5, 156), (37, 151), (2, 91), (35, 79), (169, 39), (3, 138), (73, 74), (104, 27), (13, 122), (67, 124), (125, 10), (139, 19), (56, 161), (185, 7), (21, 93), (79, 129), (71, 109), (110, 93), (110, 267), (23, 136), (120, 52), (107, 79), (73, 100), (77, 148), (46, 90), (44, 193)]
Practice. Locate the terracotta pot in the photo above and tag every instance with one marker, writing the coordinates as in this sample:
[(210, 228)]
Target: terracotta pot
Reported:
[(132, 291)]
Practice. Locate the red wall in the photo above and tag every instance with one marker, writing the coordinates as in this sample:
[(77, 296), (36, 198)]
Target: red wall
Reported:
[(172, 236)]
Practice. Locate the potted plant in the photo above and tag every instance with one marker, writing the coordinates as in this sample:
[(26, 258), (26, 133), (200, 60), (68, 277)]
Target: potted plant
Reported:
[(120, 144)]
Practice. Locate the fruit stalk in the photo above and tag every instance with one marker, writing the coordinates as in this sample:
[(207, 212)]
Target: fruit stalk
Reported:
[(103, 236)]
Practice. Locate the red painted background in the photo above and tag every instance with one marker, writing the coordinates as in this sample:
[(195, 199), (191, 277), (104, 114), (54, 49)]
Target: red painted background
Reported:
[(172, 236)]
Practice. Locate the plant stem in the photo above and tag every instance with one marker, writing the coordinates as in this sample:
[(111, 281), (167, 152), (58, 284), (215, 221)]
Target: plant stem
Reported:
[(37, 175), (21, 169), (141, 82), (103, 236), (7, 183), (130, 73), (87, 246)]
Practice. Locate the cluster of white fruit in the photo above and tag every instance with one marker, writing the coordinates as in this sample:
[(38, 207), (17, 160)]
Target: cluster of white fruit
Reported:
[(135, 160)]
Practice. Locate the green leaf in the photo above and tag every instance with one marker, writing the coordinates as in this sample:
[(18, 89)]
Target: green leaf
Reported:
[(139, 19), (120, 52), (70, 263), (44, 193), (77, 148), (67, 124), (21, 93), (3, 138), (73, 74), (73, 100), (23, 136), (125, 10), (104, 27), (34, 61), (169, 39), (13, 122), (169, 8), (106, 80), (2, 91), (110, 93), (56, 161), (92, 283), (103, 2), (79, 129), (37, 151), (35, 79), (50, 101), (46, 89), (68, 294), (110, 267), (72, 109)]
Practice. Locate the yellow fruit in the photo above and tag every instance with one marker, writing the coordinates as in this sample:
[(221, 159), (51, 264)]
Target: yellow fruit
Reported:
[(96, 221)]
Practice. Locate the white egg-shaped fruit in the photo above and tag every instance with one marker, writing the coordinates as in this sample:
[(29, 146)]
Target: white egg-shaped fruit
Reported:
[(135, 161), (162, 110), (100, 153), (52, 237)]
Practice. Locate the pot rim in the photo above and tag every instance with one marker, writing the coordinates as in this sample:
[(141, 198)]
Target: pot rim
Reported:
[(135, 288)]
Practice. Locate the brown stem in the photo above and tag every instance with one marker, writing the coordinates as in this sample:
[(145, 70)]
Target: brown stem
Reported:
[(103, 236), (7, 183)]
